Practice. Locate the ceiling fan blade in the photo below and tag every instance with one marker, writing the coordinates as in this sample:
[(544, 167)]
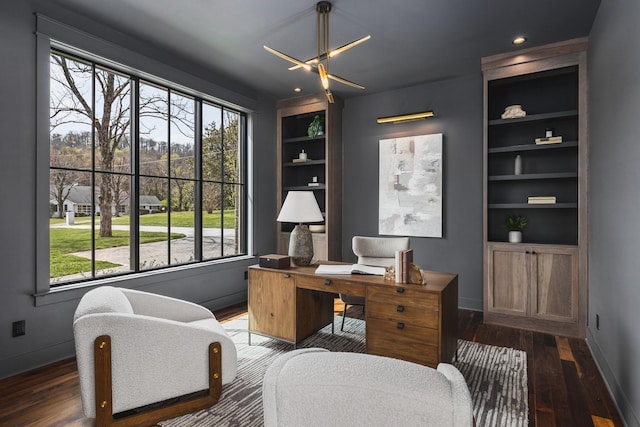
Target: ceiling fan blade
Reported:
[(333, 52), (344, 81), (287, 58)]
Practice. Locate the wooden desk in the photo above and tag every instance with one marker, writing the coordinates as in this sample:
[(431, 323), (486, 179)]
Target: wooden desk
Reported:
[(410, 322)]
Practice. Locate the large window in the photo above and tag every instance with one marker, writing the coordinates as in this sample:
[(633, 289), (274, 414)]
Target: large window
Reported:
[(142, 174)]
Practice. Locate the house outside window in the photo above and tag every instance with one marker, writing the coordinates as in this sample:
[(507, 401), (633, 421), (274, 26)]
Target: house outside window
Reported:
[(157, 174)]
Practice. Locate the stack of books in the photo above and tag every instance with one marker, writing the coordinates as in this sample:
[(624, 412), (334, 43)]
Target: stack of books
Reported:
[(549, 140), (541, 200), (404, 258)]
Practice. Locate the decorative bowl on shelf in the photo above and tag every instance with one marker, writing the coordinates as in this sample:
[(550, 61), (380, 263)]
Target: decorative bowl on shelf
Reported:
[(317, 228)]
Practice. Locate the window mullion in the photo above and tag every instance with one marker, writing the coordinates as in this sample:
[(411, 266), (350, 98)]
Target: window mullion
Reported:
[(134, 199), (198, 190)]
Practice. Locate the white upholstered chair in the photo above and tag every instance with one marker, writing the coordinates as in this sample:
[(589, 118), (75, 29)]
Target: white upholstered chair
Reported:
[(135, 349), (315, 387), (375, 251)]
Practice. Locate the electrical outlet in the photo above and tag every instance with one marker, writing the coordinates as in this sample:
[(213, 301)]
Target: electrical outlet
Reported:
[(597, 321), (19, 328)]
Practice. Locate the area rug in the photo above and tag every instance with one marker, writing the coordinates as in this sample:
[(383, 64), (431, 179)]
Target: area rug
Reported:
[(496, 376)]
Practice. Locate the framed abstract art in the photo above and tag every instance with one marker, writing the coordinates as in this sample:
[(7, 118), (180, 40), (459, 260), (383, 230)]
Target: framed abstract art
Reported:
[(410, 186)]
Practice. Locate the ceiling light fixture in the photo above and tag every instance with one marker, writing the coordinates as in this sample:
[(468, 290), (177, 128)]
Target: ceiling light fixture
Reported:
[(519, 40), (406, 117), (320, 64)]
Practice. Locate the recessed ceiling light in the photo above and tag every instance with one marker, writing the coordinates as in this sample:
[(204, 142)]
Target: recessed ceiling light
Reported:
[(297, 89), (519, 40)]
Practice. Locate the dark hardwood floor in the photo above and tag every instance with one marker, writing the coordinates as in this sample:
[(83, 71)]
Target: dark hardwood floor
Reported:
[(565, 387)]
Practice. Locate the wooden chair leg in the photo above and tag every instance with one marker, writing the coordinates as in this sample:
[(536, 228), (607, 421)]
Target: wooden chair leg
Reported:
[(145, 418)]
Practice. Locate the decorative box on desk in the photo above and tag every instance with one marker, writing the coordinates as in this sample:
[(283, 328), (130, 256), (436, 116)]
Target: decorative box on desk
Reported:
[(275, 261)]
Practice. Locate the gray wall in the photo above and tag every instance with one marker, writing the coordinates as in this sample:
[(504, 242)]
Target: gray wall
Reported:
[(458, 116), (49, 334), (614, 178)]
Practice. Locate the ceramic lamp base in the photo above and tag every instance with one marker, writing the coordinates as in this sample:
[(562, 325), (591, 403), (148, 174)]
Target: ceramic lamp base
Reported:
[(301, 245)]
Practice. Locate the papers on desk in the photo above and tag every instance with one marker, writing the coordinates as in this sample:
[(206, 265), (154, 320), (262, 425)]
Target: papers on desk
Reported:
[(350, 269)]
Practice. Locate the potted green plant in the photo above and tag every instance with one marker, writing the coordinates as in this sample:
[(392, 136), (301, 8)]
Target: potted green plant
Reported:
[(514, 225), (315, 128)]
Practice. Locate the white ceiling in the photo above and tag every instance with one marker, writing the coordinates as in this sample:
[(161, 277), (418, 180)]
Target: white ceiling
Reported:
[(412, 41)]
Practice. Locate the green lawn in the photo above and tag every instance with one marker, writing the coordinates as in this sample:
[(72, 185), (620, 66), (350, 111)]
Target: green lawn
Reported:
[(183, 219), (62, 265)]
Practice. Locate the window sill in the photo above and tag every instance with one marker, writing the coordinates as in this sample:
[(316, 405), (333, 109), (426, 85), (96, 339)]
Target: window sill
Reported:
[(75, 291)]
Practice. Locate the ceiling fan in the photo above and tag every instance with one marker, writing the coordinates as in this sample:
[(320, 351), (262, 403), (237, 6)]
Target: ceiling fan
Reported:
[(320, 63)]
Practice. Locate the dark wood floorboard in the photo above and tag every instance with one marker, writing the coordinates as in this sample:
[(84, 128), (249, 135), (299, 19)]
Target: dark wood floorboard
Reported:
[(565, 386)]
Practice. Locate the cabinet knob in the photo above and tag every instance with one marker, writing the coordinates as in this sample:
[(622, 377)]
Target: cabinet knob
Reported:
[(286, 276), (400, 308), (526, 252), (327, 282), (400, 325), (400, 290), (533, 252)]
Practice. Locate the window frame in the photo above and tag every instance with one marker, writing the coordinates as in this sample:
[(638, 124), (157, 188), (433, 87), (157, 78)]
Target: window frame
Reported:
[(52, 35)]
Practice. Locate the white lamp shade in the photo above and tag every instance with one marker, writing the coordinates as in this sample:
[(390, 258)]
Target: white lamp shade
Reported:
[(300, 206)]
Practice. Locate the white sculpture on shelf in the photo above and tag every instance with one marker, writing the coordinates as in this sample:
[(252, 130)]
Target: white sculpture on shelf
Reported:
[(513, 112)]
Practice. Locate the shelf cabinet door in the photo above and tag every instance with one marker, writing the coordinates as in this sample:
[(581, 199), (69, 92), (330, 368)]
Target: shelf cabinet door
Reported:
[(555, 285), (508, 280)]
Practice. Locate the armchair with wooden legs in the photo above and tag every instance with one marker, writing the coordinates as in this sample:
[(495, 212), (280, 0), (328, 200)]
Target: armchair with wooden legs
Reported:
[(143, 358)]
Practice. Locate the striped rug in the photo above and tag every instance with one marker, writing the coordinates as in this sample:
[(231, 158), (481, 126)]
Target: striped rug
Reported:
[(496, 376)]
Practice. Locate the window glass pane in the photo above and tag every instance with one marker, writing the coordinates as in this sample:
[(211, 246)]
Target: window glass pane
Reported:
[(112, 117), (154, 128), (70, 120), (154, 224), (182, 222), (113, 237), (182, 136), (70, 228), (211, 220), (211, 142), (231, 213), (231, 146)]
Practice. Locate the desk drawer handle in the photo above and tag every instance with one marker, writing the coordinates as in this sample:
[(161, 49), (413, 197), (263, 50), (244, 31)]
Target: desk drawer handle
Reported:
[(286, 276), (327, 282), (400, 290), (400, 325), (400, 308)]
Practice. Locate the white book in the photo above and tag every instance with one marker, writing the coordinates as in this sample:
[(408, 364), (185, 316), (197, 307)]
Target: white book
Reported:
[(350, 269), (398, 266)]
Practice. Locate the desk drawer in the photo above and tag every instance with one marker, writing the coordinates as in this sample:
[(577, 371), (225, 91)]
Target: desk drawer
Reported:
[(407, 314), (403, 295), (328, 284), (400, 331), (415, 344)]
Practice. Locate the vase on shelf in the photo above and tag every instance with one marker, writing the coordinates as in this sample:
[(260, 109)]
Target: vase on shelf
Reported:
[(515, 237), (518, 165)]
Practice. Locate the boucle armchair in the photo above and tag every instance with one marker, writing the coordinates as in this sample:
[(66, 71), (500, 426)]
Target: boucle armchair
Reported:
[(135, 349), (315, 387)]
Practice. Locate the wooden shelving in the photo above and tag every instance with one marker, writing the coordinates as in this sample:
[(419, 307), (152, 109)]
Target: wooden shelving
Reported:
[(324, 152), (538, 284)]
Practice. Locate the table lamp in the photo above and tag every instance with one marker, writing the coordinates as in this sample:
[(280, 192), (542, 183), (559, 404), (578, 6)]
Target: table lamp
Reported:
[(299, 207)]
